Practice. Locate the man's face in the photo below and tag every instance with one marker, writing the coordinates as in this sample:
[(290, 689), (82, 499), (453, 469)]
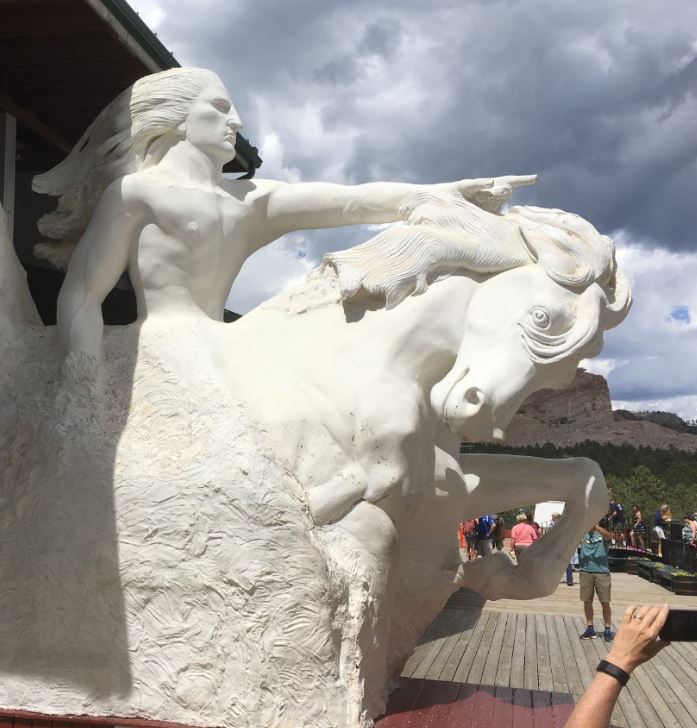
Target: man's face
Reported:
[(212, 122)]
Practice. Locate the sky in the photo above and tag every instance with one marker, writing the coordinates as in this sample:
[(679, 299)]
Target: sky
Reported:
[(599, 98)]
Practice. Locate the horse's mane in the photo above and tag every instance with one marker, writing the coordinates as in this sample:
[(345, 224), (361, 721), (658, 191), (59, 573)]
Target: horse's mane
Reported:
[(444, 234)]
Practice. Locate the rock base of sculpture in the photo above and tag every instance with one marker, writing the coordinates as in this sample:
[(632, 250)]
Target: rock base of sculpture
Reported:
[(159, 563)]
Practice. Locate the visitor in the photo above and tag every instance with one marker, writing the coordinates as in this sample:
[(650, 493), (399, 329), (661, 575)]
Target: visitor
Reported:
[(638, 531), (689, 543), (595, 577), (556, 518), (689, 530), (483, 531), (636, 642), (661, 520), (497, 532), (469, 532), (531, 520), (617, 522), (523, 534)]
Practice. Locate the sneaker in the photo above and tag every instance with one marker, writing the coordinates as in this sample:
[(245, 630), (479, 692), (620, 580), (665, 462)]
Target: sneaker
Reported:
[(589, 634), (608, 635)]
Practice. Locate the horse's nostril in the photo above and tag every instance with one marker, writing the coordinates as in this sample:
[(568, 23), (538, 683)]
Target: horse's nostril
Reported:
[(474, 396)]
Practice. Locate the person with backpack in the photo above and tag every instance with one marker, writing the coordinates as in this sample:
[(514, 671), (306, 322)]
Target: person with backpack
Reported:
[(469, 533), (484, 535), (616, 521)]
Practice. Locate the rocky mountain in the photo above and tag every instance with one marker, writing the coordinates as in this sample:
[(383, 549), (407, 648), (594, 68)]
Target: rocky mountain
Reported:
[(666, 419), (583, 411)]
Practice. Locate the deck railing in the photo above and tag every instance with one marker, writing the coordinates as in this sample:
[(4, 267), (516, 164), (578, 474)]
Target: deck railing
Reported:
[(671, 551)]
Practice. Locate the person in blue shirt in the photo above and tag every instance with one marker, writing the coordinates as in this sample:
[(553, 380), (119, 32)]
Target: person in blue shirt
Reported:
[(617, 521), (595, 577), (484, 535)]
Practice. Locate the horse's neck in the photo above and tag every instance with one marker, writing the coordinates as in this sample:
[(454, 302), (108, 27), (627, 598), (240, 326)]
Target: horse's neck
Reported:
[(418, 340), (422, 335)]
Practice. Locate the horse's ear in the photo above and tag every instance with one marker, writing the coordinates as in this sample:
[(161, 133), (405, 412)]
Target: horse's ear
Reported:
[(618, 301)]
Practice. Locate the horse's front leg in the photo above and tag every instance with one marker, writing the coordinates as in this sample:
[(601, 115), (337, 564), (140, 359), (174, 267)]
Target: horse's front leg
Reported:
[(501, 482), (507, 481)]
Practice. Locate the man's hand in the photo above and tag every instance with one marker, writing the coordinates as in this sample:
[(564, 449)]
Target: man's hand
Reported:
[(602, 531), (637, 640), (491, 193)]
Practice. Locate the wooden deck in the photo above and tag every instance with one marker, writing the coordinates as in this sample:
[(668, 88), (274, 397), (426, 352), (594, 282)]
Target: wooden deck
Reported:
[(523, 663), (626, 589)]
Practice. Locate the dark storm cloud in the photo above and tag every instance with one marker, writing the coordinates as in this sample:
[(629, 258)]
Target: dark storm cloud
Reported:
[(599, 98), (380, 39)]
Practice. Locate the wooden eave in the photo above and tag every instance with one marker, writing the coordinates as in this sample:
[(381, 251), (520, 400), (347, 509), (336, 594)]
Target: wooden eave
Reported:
[(62, 61)]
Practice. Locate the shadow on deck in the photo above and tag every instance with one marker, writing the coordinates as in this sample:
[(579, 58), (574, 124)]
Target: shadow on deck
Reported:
[(442, 704)]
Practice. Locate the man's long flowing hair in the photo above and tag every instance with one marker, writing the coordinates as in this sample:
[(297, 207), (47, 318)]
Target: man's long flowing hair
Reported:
[(131, 132)]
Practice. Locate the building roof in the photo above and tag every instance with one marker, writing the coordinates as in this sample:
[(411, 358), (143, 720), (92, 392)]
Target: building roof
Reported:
[(62, 61)]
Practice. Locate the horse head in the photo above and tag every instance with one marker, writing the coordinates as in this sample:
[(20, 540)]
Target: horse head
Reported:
[(550, 288), (529, 327)]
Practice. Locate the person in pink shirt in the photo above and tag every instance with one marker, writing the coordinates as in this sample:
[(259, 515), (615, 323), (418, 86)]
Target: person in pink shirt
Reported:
[(523, 534)]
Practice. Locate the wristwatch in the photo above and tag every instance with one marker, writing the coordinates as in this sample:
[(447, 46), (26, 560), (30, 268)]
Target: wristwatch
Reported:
[(617, 672)]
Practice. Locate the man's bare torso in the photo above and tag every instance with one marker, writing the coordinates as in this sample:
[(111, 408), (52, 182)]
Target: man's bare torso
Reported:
[(192, 243)]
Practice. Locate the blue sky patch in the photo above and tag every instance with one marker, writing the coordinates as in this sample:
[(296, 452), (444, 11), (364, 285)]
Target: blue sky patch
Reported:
[(681, 313)]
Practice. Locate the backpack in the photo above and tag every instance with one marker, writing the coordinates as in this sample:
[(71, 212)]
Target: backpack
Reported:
[(484, 526)]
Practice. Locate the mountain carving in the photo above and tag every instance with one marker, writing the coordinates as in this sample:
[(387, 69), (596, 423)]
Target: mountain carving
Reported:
[(583, 411)]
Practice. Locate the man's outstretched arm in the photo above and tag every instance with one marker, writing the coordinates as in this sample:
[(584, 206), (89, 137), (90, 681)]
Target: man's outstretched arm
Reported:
[(309, 205)]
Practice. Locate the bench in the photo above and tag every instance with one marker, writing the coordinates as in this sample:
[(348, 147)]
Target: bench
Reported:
[(663, 578), (682, 583), (632, 565), (645, 568)]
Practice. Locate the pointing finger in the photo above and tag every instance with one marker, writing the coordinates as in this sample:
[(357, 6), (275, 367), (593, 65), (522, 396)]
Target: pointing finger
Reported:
[(517, 180)]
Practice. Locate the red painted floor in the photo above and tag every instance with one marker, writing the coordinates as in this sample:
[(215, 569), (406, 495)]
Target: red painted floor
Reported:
[(415, 704), (440, 704)]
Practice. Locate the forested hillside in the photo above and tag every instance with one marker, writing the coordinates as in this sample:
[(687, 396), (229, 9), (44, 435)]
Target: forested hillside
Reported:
[(641, 475)]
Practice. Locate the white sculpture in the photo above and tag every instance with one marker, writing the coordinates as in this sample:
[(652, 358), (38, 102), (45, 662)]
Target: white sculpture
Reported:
[(143, 191), (251, 524)]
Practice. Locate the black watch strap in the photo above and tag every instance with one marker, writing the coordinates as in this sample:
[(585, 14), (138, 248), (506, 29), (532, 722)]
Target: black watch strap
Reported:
[(617, 672)]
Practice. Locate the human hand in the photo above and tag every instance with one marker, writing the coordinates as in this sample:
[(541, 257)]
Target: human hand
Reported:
[(637, 640), (490, 193)]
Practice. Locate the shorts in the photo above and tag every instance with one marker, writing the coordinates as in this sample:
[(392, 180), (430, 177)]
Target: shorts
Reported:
[(470, 537), (618, 527), (600, 583), (484, 546), (658, 530)]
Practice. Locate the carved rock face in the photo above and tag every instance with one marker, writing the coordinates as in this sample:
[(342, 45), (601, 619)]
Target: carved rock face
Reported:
[(212, 122)]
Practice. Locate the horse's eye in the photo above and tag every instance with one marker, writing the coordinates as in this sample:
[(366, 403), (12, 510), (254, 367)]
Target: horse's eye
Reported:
[(540, 318)]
